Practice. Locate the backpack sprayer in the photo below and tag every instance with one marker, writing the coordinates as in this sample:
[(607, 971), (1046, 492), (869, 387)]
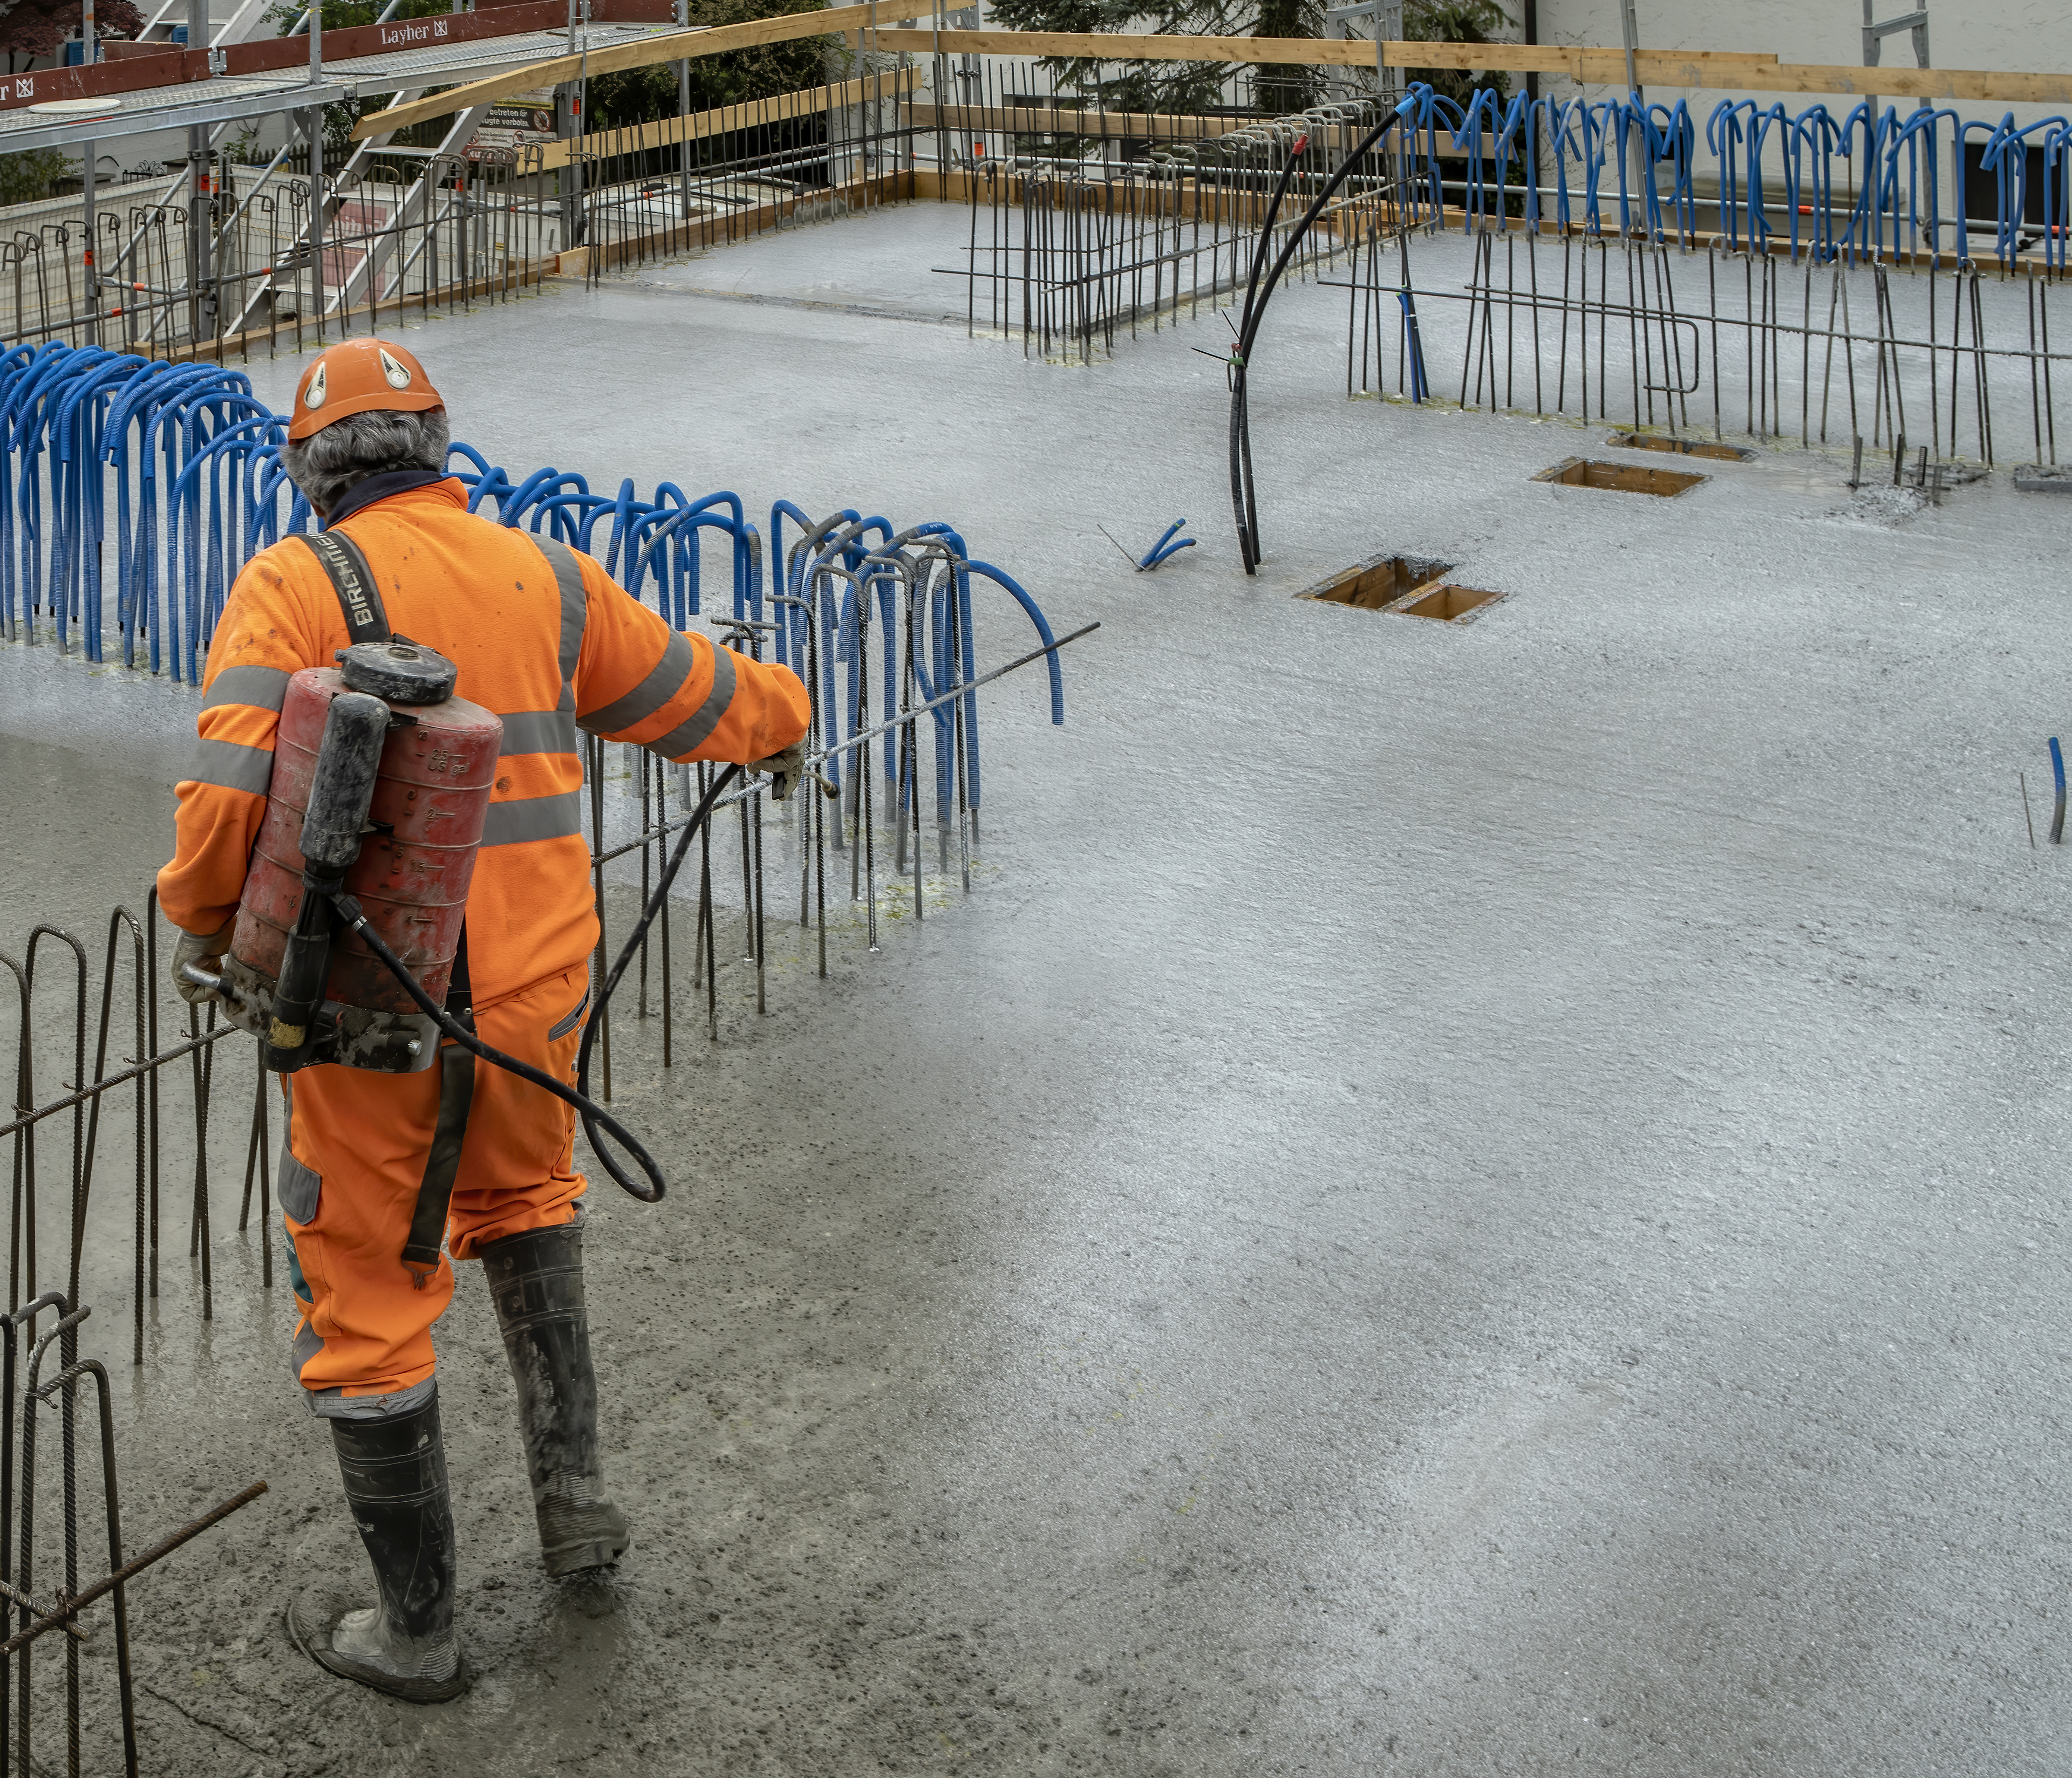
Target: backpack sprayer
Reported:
[(351, 942), (350, 945)]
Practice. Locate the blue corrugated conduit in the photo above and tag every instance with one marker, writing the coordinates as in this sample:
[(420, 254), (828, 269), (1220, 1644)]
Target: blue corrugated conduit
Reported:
[(1903, 167), (1164, 549), (192, 458), (2058, 809)]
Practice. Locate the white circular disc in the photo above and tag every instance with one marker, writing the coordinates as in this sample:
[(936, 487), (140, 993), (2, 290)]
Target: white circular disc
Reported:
[(77, 107)]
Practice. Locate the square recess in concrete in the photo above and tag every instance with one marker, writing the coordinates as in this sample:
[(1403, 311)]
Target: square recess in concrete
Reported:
[(1620, 477), (1379, 582), (1683, 447), (1448, 601)]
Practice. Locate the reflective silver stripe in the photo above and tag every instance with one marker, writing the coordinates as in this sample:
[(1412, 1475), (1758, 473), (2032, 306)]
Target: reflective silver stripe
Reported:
[(663, 683), (301, 1187), (538, 731), (334, 1404), (575, 601), (233, 766), (526, 818), (263, 687), (309, 1343), (564, 1026), (685, 736)]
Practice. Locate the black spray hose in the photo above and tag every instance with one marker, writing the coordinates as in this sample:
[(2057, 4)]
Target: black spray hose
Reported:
[(1240, 426), (1242, 498), (593, 1115)]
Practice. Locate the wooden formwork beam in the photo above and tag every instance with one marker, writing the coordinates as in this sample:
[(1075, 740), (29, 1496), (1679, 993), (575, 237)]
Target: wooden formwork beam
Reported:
[(676, 46), (1040, 121), (1308, 51), (1188, 197), (1351, 213), (1592, 66), (1073, 120), (1721, 69), (602, 143)]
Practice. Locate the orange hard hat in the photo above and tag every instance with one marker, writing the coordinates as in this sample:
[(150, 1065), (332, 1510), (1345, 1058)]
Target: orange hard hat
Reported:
[(358, 377)]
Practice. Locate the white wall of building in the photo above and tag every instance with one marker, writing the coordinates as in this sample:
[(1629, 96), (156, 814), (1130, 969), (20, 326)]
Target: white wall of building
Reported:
[(2015, 35)]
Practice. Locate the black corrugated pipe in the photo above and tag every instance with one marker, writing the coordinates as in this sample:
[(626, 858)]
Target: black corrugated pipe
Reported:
[(1256, 297)]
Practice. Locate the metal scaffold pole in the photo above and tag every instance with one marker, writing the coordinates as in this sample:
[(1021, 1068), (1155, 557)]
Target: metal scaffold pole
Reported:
[(1914, 23), (316, 172), (199, 296), (683, 110), (1637, 153), (90, 332)]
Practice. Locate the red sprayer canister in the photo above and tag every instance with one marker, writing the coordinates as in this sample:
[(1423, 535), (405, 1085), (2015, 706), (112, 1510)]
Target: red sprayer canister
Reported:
[(416, 857)]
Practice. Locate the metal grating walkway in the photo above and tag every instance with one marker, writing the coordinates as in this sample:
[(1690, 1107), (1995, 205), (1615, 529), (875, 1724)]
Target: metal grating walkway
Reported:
[(234, 95)]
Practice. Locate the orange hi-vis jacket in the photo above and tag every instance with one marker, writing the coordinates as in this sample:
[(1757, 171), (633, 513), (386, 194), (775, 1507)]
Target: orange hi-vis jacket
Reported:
[(549, 659)]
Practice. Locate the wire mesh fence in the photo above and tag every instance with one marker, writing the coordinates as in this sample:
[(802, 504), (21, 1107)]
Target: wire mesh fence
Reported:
[(227, 260)]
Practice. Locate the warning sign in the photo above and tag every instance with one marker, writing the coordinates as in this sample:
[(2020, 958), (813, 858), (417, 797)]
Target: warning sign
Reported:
[(523, 118)]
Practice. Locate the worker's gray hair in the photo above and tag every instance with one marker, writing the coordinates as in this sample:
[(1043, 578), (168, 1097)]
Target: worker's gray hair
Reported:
[(328, 463)]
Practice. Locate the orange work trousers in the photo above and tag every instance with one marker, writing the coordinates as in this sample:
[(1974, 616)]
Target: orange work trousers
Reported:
[(358, 1143)]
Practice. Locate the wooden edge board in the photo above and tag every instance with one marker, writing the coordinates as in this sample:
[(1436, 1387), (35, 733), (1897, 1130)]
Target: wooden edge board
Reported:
[(1038, 121), (1155, 127), (957, 186), (1589, 66), (1313, 52), (634, 138)]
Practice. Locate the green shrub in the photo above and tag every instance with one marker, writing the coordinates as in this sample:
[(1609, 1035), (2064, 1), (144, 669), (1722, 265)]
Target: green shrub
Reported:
[(641, 95), (1456, 22), (25, 177)]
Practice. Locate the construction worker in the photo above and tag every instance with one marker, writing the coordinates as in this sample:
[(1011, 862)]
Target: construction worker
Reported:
[(542, 636)]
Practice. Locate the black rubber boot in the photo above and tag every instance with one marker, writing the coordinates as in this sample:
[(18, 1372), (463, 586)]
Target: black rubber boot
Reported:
[(537, 1282), (394, 1472)]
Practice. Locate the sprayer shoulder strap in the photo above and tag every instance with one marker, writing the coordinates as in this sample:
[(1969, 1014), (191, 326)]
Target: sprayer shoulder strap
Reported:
[(353, 580)]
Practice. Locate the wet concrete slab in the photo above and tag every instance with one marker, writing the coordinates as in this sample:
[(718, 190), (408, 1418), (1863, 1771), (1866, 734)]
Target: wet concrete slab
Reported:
[(1460, 1199)]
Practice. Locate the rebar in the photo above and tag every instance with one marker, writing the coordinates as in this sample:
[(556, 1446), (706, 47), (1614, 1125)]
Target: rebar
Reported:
[(1738, 355)]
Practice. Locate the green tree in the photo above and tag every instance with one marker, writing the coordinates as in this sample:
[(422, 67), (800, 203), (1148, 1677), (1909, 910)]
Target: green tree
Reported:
[(1186, 87), (641, 95), (1457, 21), (343, 15), (25, 177), (1278, 88), (1180, 87)]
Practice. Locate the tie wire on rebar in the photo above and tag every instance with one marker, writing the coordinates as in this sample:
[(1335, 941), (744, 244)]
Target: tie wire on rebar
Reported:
[(1659, 338), (922, 583), (1083, 219), (26, 1514)]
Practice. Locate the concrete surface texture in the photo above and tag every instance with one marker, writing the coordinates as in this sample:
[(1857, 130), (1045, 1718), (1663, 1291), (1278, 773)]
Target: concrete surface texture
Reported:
[(1462, 1199)]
